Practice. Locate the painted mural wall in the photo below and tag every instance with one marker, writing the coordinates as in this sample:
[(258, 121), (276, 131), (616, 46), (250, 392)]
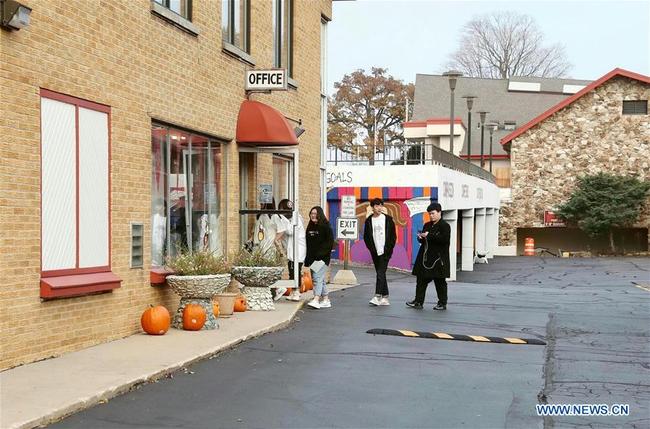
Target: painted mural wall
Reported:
[(406, 191)]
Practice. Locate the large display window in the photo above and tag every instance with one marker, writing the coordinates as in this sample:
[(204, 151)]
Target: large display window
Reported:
[(186, 189)]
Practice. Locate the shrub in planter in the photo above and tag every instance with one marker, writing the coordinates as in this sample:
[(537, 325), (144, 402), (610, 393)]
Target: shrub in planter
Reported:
[(198, 276)]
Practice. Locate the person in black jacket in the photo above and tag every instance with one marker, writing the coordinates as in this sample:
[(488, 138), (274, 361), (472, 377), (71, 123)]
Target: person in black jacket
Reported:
[(432, 262), (380, 236), (320, 240)]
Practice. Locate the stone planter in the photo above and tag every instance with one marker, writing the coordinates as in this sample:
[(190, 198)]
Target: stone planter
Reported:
[(256, 281), (197, 290)]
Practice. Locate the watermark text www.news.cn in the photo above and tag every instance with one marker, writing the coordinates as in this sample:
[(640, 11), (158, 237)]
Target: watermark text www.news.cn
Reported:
[(582, 410)]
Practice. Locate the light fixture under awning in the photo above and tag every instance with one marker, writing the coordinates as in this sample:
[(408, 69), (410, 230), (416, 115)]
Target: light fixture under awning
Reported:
[(259, 124)]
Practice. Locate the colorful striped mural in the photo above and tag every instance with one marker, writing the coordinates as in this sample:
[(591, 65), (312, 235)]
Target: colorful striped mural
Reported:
[(395, 200)]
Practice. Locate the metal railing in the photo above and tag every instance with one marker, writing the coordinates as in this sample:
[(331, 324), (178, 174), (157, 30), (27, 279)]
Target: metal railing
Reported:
[(405, 154)]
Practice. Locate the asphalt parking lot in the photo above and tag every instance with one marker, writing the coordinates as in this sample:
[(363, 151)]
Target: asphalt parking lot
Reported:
[(326, 371)]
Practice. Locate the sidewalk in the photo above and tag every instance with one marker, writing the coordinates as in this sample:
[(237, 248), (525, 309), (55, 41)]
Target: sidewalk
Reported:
[(42, 392)]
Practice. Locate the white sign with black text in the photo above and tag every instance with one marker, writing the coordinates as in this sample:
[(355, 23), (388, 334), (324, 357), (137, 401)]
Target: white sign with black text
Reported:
[(347, 229), (348, 206), (266, 80)]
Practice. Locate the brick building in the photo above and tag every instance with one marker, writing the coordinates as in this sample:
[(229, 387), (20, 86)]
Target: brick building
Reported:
[(119, 144), (604, 127)]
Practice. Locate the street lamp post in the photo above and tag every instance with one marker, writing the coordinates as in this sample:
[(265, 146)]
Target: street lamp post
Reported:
[(470, 103), (492, 126), (453, 76), (482, 115)]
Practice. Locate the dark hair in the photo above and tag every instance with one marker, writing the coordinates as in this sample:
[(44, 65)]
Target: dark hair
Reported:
[(266, 206), (320, 214), (286, 204), (434, 206), (376, 202)]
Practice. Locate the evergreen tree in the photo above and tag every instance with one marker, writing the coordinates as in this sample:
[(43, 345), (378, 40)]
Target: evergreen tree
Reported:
[(603, 201)]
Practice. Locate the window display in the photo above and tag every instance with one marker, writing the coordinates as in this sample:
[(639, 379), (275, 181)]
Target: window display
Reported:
[(185, 193)]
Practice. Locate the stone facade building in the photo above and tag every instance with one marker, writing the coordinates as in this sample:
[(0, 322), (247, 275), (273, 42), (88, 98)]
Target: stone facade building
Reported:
[(118, 146), (605, 127)]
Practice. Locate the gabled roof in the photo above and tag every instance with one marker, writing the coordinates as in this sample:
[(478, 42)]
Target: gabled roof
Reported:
[(614, 73)]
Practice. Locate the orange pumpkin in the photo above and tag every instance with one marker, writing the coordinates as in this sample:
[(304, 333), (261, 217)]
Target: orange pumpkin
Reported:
[(193, 317), (240, 304), (215, 308), (307, 283), (155, 320)]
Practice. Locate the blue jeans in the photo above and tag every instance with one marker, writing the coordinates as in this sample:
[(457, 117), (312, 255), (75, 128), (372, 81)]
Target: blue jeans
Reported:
[(318, 278)]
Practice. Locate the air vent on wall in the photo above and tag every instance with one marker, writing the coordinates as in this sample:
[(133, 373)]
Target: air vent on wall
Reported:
[(137, 232)]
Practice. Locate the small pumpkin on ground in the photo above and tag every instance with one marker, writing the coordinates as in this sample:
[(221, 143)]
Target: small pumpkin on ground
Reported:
[(193, 317), (307, 283), (155, 320), (215, 308), (240, 304)]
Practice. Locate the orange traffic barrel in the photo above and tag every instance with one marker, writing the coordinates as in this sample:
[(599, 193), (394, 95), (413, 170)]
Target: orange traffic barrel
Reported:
[(529, 246)]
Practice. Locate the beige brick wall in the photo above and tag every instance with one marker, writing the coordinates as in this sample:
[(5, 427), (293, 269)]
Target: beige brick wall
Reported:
[(588, 137), (120, 54)]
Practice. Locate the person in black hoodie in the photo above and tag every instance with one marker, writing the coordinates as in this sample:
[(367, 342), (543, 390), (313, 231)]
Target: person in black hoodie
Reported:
[(320, 240), (380, 236), (432, 262)]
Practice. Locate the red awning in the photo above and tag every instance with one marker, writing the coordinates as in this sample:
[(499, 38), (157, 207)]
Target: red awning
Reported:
[(261, 125)]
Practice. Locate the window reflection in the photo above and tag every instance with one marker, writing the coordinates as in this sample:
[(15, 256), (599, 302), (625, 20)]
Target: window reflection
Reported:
[(186, 180)]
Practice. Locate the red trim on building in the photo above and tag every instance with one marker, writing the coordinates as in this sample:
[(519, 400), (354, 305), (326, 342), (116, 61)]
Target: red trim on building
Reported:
[(79, 284), (614, 73), (432, 121), (76, 172), (79, 281), (158, 275)]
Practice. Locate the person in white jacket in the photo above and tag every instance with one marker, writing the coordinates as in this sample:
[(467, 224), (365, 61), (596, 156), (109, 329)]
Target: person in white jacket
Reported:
[(285, 236)]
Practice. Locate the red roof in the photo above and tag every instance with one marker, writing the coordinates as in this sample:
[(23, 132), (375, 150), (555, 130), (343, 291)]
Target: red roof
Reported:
[(562, 104), (260, 124), (431, 121)]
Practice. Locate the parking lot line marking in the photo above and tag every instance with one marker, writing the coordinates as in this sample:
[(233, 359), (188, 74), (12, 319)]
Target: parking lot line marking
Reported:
[(445, 336)]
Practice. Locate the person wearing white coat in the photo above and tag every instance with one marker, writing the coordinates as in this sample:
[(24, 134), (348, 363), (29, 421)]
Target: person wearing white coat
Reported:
[(285, 236)]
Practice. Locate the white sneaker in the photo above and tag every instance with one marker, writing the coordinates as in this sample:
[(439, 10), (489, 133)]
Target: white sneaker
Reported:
[(295, 296), (279, 292), (384, 301), (375, 300), (314, 303), (326, 304)]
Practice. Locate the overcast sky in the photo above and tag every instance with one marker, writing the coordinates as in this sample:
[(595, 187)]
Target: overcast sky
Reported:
[(416, 36)]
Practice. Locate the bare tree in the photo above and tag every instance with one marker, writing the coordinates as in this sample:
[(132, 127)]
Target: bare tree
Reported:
[(505, 44), (367, 111)]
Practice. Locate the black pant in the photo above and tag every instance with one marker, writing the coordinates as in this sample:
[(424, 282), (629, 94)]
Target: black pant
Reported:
[(381, 264), (421, 289), (290, 265)]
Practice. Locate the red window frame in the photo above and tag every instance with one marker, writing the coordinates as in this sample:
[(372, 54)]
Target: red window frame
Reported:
[(79, 281)]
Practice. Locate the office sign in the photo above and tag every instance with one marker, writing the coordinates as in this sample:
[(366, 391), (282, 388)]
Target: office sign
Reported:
[(347, 229), (348, 206), (266, 80)]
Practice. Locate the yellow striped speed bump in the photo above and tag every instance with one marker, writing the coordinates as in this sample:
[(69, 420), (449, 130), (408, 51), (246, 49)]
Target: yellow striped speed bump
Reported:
[(444, 336)]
